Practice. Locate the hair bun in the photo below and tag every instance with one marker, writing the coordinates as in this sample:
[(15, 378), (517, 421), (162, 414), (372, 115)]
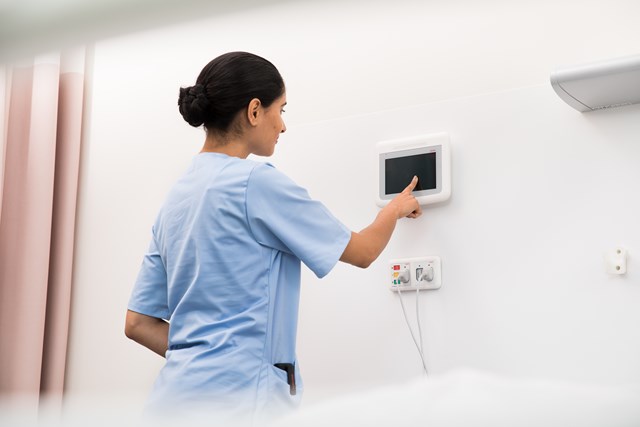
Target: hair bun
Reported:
[(193, 104)]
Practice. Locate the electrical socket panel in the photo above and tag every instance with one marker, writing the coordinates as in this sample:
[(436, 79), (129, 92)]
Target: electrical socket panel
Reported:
[(410, 274)]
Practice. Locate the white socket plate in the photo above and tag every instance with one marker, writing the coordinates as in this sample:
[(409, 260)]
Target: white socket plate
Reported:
[(398, 266)]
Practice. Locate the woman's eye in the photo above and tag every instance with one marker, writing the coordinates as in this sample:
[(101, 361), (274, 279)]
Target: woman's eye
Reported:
[(282, 111)]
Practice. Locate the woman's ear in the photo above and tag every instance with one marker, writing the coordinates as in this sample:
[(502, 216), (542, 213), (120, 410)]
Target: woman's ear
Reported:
[(253, 111)]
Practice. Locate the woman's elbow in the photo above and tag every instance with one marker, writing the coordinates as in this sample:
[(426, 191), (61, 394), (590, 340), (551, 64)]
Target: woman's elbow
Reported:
[(363, 259), (364, 262), (131, 325), (360, 260), (129, 331)]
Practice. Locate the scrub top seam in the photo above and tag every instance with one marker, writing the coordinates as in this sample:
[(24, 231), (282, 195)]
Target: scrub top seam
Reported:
[(246, 206), (263, 362)]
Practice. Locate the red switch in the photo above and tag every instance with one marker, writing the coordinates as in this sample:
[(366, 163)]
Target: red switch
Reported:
[(396, 267)]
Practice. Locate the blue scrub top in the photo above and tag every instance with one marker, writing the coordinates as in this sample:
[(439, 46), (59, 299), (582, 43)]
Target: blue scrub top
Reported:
[(223, 267)]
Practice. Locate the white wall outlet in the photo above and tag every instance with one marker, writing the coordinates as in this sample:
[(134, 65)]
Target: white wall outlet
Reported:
[(616, 261), (423, 273), (399, 274)]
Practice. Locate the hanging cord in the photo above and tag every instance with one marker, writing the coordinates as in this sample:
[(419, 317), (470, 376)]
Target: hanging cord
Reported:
[(419, 322), (418, 346)]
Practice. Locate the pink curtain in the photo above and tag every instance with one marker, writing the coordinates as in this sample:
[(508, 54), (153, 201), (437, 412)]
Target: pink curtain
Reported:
[(41, 145)]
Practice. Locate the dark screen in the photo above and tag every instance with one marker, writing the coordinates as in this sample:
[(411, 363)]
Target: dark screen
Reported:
[(400, 171)]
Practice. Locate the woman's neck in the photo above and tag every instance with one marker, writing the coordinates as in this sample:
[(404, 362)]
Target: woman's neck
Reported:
[(234, 147)]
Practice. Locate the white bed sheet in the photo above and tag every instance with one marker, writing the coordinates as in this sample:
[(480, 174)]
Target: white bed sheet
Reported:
[(470, 398)]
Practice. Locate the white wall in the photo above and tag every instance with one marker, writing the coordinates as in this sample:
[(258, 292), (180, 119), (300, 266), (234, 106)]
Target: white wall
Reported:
[(540, 191)]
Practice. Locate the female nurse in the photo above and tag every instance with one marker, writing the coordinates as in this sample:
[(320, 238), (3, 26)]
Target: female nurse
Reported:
[(217, 293)]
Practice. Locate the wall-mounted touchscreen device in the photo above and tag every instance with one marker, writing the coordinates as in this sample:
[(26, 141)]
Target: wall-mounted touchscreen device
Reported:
[(427, 156)]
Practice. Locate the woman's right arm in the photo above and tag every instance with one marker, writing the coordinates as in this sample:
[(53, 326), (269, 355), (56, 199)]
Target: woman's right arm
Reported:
[(365, 246), (148, 331)]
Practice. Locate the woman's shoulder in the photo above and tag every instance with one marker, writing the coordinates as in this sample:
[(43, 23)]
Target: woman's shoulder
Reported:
[(266, 173)]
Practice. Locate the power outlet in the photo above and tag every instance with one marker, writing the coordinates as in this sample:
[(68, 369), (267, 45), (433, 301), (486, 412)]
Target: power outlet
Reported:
[(410, 274)]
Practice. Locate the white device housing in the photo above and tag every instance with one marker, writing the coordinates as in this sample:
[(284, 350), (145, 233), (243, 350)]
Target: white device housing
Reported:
[(427, 156), (406, 274), (598, 85)]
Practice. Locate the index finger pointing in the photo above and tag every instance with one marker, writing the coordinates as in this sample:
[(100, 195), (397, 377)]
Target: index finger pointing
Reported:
[(411, 185)]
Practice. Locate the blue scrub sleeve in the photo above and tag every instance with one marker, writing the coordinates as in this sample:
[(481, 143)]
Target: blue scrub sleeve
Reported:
[(149, 294), (282, 216)]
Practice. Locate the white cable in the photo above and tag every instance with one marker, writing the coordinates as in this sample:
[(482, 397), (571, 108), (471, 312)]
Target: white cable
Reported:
[(418, 318), (420, 279), (424, 365)]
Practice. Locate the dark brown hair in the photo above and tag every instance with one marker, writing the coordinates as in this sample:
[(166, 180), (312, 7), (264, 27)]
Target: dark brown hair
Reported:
[(225, 86)]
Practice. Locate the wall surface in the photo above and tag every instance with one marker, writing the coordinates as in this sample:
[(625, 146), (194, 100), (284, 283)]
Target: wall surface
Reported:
[(540, 191)]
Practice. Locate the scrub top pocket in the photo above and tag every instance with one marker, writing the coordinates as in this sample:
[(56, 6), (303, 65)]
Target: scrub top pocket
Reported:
[(280, 389)]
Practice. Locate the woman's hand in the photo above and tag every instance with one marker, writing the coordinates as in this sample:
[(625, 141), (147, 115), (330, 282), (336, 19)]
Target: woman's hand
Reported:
[(405, 203), (365, 246)]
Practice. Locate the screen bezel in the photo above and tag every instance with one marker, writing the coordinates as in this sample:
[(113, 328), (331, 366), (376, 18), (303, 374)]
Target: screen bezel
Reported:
[(437, 149)]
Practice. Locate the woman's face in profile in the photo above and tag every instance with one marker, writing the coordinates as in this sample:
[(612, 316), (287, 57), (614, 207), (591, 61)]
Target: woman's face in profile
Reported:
[(269, 128)]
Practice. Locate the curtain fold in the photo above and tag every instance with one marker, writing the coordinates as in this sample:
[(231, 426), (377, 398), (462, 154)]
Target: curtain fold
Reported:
[(37, 222), (67, 169)]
